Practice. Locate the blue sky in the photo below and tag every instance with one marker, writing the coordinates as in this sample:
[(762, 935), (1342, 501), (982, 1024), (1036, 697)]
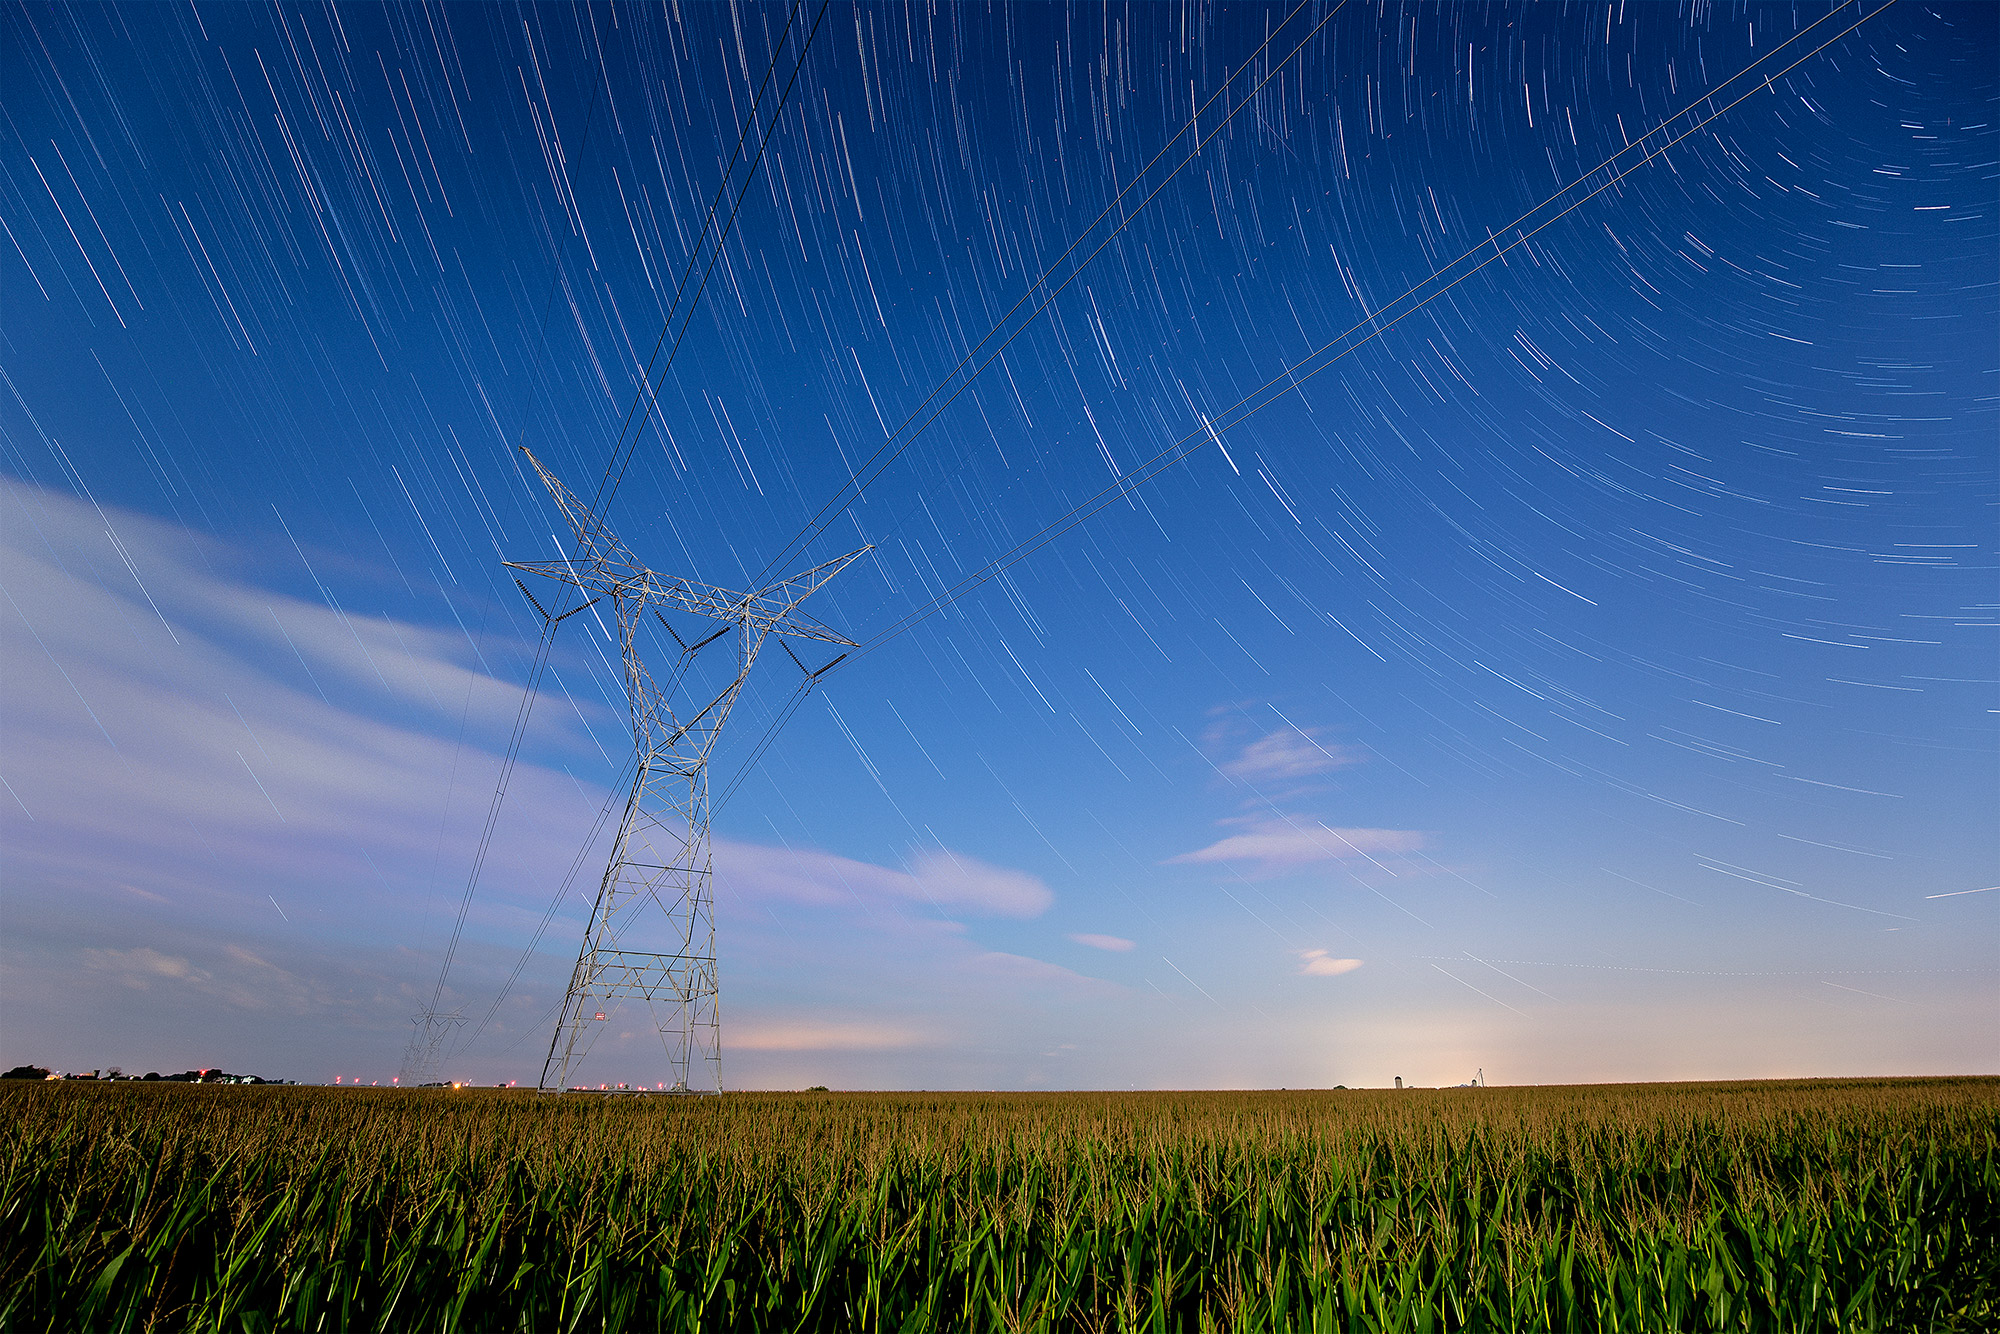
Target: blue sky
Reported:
[(1591, 677)]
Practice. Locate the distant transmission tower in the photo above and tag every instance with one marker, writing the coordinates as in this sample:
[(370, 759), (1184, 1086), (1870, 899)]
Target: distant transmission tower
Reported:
[(420, 1058), (656, 890)]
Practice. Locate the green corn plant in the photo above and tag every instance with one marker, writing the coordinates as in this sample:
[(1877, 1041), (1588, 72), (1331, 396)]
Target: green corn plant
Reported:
[(1834, 1205)]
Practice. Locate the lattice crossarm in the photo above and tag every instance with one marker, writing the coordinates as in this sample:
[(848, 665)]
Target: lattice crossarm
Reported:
[(780, 598), (775, 613), (686, 594), (798, 625), (594, 538), (591, 578)]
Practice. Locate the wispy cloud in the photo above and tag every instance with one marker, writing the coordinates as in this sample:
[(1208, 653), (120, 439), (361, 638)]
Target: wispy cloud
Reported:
[(255, 704), (1050, 979), (155, 767), (1117, 944), (1288, 754), (140, 968), (1318, 963), (947, 881), (954, 879), (1276, 845), (231, 974)]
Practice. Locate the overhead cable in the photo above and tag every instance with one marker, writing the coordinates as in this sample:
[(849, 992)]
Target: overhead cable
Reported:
[(615, 469), (876, 464), (1323, 357)]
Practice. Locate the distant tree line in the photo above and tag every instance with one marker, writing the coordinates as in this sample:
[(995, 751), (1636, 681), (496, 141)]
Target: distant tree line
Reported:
[(153, 1076)]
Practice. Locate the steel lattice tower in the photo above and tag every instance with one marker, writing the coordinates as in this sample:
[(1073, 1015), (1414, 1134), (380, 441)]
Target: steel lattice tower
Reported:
[(432, 1027), (657, 889)]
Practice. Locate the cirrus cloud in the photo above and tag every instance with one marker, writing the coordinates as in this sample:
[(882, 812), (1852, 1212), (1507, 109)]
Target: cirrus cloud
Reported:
[(948, 881), (1286, 754), (1277, 845)]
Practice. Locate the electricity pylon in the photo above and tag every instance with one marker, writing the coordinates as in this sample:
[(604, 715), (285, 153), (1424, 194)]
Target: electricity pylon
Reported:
[(420, 1058), (661, 858)]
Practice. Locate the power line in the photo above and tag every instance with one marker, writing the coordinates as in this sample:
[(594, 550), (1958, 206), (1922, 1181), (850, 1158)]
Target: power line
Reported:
[(646, 399), (1290, 378), (513, 750), (784, 716), (649, 387), (1481, 246), (548, 915), (427, 1020), (545, 642), (1211, 428), (836, 506), (862, 478)]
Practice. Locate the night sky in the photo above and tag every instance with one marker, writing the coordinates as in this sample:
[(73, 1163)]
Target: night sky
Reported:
[(1557, 638)]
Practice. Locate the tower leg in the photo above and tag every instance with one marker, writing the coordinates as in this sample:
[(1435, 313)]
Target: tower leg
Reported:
[(568, 1044), (652, 860)]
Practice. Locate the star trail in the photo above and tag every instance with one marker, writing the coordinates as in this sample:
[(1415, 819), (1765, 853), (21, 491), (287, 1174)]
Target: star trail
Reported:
[(1424, 535)]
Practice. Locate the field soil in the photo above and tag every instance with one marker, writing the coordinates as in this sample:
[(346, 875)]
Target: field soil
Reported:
[(1811, 1205)]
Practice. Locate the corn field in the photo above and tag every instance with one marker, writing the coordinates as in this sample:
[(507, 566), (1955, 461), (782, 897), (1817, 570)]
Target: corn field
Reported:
[(1824, 1205)]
